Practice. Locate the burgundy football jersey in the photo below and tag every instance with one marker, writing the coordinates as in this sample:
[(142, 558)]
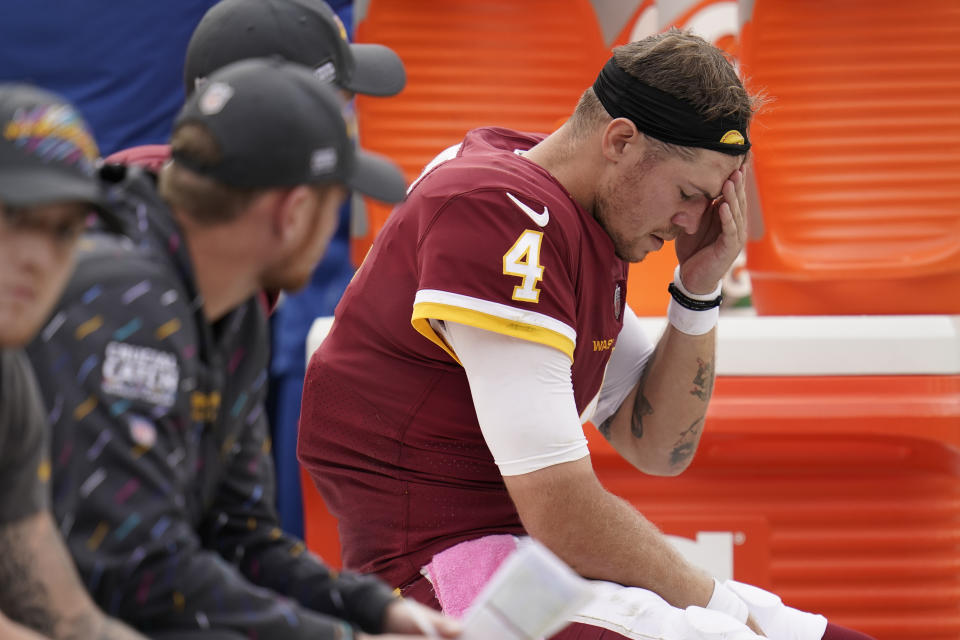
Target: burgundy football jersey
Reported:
[(388, 430)]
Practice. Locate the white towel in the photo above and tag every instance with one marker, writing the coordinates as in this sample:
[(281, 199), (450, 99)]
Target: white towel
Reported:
[(643, 615), (777, 620)]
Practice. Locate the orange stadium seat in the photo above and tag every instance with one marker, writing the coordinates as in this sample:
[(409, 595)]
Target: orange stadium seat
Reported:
[(499, 62), (858, 157)]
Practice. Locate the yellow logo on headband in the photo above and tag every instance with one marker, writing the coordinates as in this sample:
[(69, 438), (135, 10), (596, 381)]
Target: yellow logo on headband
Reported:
[(732, 137)]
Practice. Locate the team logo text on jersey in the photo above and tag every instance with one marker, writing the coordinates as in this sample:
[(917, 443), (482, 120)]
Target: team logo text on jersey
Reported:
[(540, 219), (603, 345), (140, 373)]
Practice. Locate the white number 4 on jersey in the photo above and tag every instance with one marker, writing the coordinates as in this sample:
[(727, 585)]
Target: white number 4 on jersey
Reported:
[(523, 261)]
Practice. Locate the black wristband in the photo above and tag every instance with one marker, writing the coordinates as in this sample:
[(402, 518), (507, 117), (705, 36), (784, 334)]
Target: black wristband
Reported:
[(689, 303)]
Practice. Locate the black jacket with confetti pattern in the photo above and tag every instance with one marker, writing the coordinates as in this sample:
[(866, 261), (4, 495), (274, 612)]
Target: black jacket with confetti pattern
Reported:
[(163, 481)]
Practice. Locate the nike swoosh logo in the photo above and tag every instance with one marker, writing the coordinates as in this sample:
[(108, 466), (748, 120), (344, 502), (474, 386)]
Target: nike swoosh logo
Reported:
[(541, 219)]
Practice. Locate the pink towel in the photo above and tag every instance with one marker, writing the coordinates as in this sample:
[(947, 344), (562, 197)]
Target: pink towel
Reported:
[(460, 572)]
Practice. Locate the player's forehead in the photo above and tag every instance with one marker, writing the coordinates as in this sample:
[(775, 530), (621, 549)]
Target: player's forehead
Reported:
[(708, 170)]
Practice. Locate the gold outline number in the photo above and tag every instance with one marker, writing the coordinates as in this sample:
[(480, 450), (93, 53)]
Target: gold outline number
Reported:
[(523, 261)]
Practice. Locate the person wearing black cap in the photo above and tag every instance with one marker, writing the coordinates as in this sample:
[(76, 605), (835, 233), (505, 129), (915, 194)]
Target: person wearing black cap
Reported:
[(442, 413), (310, 33), (48, 187), (153, 370), (304, 31)]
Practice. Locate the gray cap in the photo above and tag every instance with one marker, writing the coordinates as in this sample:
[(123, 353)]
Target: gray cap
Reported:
[(47, 153), (276, 126), (304, 31)]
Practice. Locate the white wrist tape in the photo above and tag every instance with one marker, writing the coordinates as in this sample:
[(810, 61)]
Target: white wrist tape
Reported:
[(688, 321), (696, 296), (726, 601)]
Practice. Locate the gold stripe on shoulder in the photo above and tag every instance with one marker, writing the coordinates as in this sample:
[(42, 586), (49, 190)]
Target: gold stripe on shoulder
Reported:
[(423, 311)]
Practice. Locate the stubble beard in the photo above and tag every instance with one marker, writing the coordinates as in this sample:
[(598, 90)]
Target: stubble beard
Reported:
[(621, 246), (281, 281)]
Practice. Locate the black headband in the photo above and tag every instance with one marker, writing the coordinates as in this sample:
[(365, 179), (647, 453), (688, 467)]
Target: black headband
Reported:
[(659, 115)]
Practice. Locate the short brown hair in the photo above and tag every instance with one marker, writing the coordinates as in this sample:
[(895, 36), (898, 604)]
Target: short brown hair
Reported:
[(687, 67), (206, 201)]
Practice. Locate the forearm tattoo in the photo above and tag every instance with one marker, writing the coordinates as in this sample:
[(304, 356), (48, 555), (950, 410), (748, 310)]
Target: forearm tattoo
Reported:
[(703, 381), (686, 444), (641, 405), (641, 409)]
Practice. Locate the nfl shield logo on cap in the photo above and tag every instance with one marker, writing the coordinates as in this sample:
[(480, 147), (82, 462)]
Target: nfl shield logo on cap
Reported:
[(215, 98)]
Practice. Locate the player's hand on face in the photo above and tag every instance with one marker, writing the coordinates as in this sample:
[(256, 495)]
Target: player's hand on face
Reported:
[(407, 617), (706, 255)]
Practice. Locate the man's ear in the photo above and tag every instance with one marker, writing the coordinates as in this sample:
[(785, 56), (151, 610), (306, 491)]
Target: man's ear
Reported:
[(617, 138), (292, 213)]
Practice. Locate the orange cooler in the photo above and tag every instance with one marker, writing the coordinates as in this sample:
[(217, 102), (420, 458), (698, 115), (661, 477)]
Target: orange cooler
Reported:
[(829, 472)]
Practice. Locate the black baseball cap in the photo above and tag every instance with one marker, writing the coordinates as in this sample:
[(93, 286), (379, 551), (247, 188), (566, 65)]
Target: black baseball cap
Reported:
[(276, 126), (47, 152), (303, 31)]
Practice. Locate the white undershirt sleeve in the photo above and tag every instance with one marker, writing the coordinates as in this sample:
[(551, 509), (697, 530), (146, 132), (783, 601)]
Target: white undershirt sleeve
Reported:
[(630, 355), (523, 395)]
